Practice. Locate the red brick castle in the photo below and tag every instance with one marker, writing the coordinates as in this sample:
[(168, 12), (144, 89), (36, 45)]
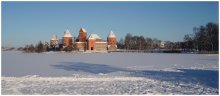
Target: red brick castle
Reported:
[(93, 42)]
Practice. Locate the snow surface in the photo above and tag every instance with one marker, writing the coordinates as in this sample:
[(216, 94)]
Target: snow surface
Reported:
[(98, 85), (108, 73)]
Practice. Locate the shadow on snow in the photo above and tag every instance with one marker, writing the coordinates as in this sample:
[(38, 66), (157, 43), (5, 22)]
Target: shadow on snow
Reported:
[(87, 67), (205, 77)]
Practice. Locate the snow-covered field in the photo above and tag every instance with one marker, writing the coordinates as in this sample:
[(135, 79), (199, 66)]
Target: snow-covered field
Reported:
[(109, 73)]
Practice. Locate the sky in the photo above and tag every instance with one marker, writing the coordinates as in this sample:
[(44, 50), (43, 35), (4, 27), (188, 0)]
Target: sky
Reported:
[(30, 22)]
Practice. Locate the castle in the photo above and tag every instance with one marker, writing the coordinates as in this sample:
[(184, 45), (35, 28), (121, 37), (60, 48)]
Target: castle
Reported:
[(83, 43)]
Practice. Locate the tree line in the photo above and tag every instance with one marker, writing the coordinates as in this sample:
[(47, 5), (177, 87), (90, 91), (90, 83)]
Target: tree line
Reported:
[(146, 43), (44, 47), (205, 38), (138, 43), (39, 47)]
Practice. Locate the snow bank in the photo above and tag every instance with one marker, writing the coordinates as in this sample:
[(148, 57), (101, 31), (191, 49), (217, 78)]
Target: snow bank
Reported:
[(98, 85)]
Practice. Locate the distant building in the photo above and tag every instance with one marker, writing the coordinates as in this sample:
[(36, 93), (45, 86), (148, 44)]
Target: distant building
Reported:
[(162, 45), (93, 42), (67, 39), (53, 41), (112, 42), (81, 40), (82, 35)]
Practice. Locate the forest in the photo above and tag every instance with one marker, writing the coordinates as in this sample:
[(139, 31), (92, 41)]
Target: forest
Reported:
[(204, 38)]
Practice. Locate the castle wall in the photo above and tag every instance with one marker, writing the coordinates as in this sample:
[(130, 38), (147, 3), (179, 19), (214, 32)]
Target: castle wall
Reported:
[(82, 36), (81, 45), (111, 41), (67, 41), (91, 44), (112, 48), (101, 46), (98, 46)]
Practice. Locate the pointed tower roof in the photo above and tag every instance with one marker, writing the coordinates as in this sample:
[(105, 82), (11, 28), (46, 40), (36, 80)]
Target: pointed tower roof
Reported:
[(82, 30), (67, 33), (54, 37), (111, 34)]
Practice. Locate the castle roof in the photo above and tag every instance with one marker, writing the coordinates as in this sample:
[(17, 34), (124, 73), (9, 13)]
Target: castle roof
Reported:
[(112, 35), (82, 30), (94, 36), (54, 37), (67, 33), (91, 36)]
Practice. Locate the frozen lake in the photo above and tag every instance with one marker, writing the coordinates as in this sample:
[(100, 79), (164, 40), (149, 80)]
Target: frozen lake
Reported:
[(15, 63), (188, 69)]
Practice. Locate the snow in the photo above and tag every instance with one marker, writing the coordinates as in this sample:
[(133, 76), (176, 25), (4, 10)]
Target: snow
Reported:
[(98, 85), (94, 36), (100, 42), (111, 35), (54, 37), (67, 33), (80, 42), (91, 36), (108, 73), (112, 45), (82, 29)]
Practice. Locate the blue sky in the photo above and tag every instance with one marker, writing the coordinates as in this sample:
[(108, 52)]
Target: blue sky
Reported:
[(29, 22)]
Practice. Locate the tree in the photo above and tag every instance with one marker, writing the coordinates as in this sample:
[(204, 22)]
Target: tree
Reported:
[(135, 42), (149, 43), (31, 48), (205, 38), (169, 45), (189, 42), (20, 48), (127, 41), (26, 48), (156, 43), (40, 47), (212, 36), (141, 43), (200, 38), (68, 49), (121, 44)]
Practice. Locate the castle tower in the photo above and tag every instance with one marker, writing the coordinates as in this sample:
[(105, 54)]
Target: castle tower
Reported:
[(112, 42), (53, 41), (67, 38), (91, 42), (82, 35)]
